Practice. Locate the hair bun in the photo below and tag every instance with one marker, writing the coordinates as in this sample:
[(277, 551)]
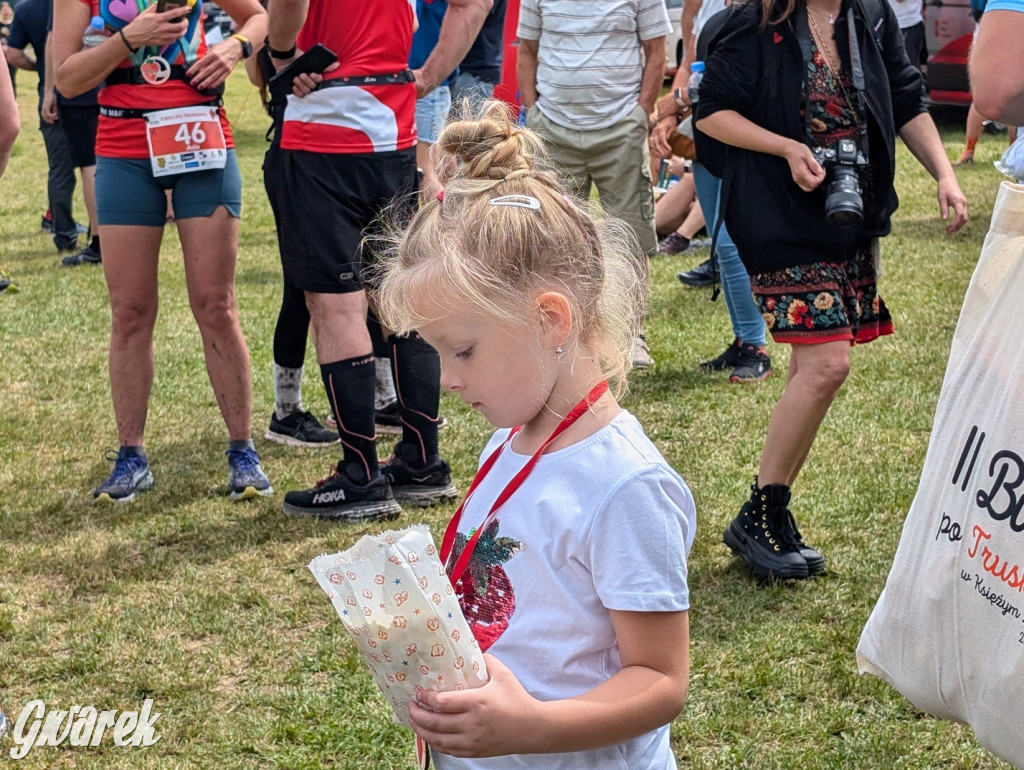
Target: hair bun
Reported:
[(491, 147)]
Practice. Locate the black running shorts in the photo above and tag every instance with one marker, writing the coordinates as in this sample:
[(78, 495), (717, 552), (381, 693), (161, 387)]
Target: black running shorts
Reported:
[(325, 204)]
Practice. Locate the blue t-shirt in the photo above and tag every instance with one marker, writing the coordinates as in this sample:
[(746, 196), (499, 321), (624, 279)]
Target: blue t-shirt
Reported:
[(484, 57), (430, 14), (1005, 5)]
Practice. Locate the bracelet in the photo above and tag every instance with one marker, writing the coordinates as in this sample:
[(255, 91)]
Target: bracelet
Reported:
[(125, 41), (275, 54)]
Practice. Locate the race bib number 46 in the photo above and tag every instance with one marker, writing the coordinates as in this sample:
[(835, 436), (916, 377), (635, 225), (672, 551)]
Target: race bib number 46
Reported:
[(185, 139)]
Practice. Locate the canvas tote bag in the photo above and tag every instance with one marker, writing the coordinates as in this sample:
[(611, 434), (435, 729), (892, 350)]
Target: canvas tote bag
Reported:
[(948, 629)]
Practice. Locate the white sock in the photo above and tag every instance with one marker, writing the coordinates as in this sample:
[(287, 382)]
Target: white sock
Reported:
[(287, 390), (385, 392)]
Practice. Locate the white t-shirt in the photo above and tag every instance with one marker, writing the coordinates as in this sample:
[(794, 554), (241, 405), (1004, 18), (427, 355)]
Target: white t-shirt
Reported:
[(603, 524), (590, 56), (707, 9), (908, 12)]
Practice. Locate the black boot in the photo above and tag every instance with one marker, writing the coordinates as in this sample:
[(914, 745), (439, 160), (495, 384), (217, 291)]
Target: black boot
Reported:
[(761, 535)]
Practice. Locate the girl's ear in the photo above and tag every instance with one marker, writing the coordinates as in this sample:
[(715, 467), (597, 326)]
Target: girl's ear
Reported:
[(556, 317)]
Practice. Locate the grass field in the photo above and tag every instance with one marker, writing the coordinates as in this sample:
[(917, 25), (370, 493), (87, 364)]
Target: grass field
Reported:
[(207, 607)]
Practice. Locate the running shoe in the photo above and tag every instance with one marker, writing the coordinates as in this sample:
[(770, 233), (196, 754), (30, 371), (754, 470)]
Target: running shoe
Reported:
[(418, 486), (246, 478), (700, 276), (642, 358), (674, 243), (299, 429), (87, 256), (130, 476), (341, 498), (754, 364), (730, 359)]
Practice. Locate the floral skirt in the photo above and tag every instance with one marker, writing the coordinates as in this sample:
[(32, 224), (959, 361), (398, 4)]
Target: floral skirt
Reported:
[(824, 301)]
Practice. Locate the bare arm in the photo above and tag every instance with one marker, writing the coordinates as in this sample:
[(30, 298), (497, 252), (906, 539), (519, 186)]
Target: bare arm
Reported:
[(17, 57), (78, 70), (997, 79), (48, 107), (923, 140), (219, 61), (285, 20), (502, 718), (459, 28), (654, 72), (666, 124), (690, 9), (10, 122), (526, 72)]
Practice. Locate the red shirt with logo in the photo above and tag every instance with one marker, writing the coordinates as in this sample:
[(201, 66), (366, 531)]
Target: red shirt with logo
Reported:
[(126, 137), (370, 38)]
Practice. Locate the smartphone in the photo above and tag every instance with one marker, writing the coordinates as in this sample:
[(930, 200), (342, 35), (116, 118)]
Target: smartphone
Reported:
[(168, 5), (316, 59)]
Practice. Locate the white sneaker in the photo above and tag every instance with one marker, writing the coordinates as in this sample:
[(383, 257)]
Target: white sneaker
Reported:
[(642, 358)]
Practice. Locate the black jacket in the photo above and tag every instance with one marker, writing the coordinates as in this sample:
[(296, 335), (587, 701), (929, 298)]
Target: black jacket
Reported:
[(772, 221)]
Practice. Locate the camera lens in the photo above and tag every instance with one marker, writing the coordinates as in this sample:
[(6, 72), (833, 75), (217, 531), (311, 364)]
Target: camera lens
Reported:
[(844, 206)]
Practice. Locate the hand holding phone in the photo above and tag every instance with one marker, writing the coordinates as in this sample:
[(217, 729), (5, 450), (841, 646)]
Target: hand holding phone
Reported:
[(315, 60), (167, 5)]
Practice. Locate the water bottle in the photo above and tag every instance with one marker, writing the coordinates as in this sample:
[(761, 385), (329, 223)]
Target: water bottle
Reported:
[(696, 75), (95, 33)]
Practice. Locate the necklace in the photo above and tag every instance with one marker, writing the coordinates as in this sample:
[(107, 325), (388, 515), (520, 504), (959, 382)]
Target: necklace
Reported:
[(828, 16), (833, 69)]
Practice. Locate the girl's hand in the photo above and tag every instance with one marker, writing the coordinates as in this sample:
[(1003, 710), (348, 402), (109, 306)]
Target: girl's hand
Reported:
[(806, 171), (157, 29), (490, 721), (215, 66)]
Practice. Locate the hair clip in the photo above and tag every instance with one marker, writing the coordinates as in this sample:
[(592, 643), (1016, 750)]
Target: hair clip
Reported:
[(521, 201), (440, 195)]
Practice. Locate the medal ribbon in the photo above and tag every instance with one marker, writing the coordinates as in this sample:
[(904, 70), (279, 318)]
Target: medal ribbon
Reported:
[(449, 534)]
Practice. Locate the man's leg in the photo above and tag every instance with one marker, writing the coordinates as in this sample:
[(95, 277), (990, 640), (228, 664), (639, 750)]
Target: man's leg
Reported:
[(60, 185)]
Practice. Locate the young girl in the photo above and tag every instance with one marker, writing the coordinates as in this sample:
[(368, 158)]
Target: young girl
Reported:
[(569, 552)]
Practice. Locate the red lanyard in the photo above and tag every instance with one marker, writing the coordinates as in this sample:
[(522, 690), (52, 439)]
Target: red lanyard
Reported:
[(449, 534)]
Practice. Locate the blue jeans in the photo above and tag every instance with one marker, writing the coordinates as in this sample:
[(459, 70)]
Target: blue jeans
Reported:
[(747, 323)]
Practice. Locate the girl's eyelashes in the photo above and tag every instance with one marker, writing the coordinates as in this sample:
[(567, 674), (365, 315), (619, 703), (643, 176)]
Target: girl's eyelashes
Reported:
[(465, 353)]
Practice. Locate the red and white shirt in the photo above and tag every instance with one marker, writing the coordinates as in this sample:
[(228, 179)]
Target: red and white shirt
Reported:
[(126, 137), (370, 38)]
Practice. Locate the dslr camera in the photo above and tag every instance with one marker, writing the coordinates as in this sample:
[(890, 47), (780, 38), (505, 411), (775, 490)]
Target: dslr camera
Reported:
[(844, 206)]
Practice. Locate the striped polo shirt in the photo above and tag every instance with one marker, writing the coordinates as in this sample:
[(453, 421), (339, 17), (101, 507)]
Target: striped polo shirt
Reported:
[(590, 56)]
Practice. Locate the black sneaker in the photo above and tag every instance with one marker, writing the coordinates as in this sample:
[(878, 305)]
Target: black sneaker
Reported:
[(761, 536), (700, 276), (299, 429), (87, 256), (754, 364), (727, 360), (418, 486), (340, 498), (675, 243), (387, 420)]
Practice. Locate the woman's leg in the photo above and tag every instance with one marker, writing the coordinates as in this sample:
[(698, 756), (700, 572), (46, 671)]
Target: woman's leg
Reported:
[(674, 206), (130, 260), (974, 128), (210, 247), (816, 372)]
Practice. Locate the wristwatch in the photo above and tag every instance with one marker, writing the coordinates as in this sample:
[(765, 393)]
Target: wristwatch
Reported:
[(677, 94), (246, 45)]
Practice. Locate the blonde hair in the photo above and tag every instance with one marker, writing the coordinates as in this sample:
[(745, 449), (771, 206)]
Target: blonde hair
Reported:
[(462, 250)]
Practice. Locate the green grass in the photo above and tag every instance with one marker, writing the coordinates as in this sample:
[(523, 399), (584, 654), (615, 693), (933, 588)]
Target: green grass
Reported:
[(207, 607)]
